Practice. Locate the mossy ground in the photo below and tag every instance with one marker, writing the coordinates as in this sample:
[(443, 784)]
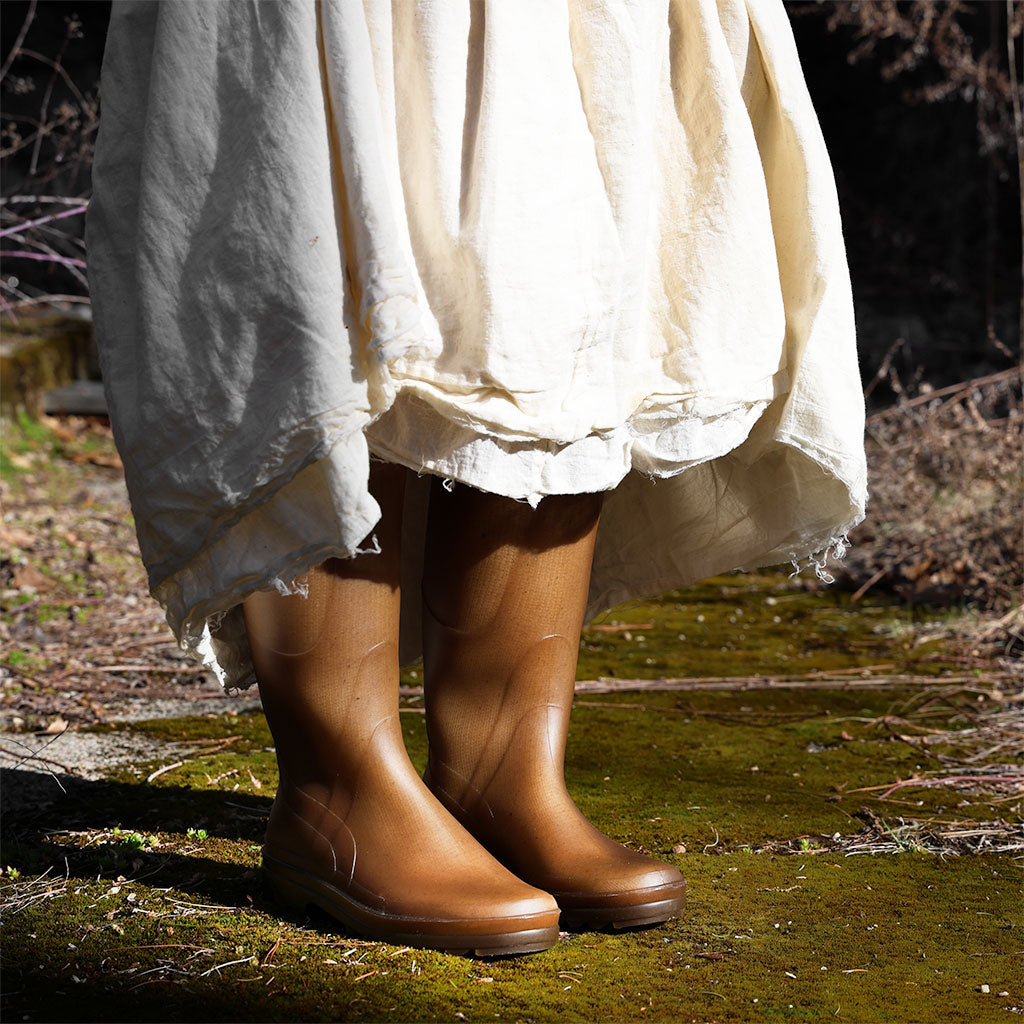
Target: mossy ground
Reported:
[(135, 925), (749, 624), (114, 911)]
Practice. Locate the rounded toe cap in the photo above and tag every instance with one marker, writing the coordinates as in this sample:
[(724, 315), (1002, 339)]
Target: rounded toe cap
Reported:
[(656, 875)]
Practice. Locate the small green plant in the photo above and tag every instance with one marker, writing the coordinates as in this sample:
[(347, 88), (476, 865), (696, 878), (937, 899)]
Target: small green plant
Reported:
[(32, 430), (903, 845), (8, 468), (134, 840), (805, 844), (196, 833), (12, 873)]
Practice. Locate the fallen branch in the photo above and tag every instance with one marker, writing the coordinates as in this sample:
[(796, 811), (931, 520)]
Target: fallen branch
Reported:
[(841, 679), (945, 780), (602, 627), (35, 757), (1007, 376), (166, 768), (183, 670), (230, 963)]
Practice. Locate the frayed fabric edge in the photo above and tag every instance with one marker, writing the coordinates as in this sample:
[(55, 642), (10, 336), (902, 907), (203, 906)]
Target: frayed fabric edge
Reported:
[(835, 549), (814, 551), (201, 648), (200, 643)]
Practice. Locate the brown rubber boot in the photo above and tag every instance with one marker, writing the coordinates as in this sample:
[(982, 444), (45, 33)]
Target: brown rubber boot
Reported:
[(504, 593), (353, 829)]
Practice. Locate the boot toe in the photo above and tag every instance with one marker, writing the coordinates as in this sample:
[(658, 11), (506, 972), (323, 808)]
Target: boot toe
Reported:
[(634, 891), (657, 875), (502, 919), (533, 903), (503, 899)]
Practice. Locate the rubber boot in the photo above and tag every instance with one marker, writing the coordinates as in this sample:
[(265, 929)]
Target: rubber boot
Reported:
[(353, 829), (504, 595)]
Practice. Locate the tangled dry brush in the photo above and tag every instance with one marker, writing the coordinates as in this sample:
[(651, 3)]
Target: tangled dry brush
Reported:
[(946, 516)]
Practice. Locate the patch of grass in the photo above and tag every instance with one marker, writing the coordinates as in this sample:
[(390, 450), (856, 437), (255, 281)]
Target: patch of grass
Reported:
[(27, 658), (66, 450), (33, 432), (24, 440), (133, 840), (8, 468)]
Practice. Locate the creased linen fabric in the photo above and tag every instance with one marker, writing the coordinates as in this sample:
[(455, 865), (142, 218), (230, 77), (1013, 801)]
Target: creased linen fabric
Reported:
[(550, 246)]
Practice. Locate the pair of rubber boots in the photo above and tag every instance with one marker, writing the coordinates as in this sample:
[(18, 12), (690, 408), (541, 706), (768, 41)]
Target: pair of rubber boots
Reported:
[(486, 854)]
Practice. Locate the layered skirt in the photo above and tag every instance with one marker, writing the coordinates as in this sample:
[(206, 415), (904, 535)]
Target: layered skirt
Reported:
[(533, 247)]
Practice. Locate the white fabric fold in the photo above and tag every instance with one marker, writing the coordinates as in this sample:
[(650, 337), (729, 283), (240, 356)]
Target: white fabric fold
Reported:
[(530, 247)]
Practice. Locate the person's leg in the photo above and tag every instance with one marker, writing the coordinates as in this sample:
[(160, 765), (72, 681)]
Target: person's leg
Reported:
[(353, 828), (504, 594)]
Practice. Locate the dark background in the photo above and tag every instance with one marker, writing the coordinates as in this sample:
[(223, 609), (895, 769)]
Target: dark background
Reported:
[(932, 224)]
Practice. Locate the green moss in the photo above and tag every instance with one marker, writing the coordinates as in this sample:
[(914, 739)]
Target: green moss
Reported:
[(27, 658), (40, 353), (8, 468), (762, 939), (247, 729), (140, 933), (32, 431), (754, 784), (29, 444), (753, 625)]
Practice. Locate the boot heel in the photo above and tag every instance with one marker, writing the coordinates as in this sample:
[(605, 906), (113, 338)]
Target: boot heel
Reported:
[(285, 892)]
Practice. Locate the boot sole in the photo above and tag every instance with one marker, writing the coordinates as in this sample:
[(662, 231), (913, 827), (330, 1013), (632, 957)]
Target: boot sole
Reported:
[(636, 916), (298, 889)]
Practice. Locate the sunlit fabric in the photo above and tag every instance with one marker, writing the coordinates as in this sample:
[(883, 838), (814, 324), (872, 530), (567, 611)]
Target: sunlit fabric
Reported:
[(531, 247)]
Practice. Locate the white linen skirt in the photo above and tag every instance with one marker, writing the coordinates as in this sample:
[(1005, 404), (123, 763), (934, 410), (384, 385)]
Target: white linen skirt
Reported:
[(534, 247)]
